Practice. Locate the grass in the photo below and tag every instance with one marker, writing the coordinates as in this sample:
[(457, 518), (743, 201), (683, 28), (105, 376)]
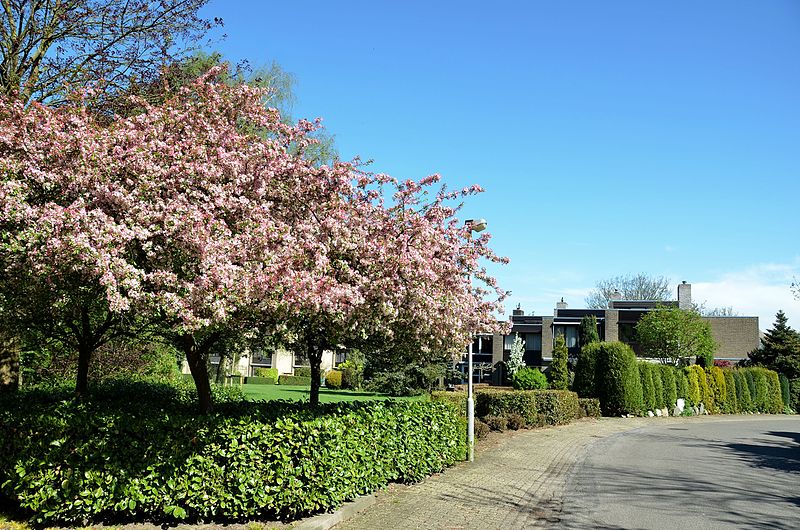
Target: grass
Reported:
[(298, 393)]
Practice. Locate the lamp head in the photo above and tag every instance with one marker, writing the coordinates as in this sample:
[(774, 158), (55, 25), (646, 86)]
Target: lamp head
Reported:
[(476, 225)]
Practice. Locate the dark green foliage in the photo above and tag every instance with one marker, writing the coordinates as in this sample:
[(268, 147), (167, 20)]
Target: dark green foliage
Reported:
[(774, 400), (780, 341), (617, 380), (491, 402), (681, 384), (668, 373), (515, 421), (558, 374), (761, 396), (648, 390), (295, 380), (100, 458), (705, 359), (785, 396), (352, 374), (333, 379), (557, 407), (794, 393), (457, 399), (658, 387), (529, 379), (302, 371), (259, 381), (496, 423), (745, 400), (751, 387), (587, 330), (268, 373), (693, 394), (585, 370), (590, 407), (717, 385)]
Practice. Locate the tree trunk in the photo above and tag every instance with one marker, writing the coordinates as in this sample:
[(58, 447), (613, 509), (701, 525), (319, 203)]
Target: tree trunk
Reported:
[(84, 358), (196, 357), (315, 360), (221, 369)]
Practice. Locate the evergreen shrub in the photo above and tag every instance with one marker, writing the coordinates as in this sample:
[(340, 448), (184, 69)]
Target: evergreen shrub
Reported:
[(693, 376), (68, 461), (268, 373), (731, 400), (668, 378), (295, 380), (557, 407), (529, 379), (648, 391), (496, 402), (333, 379), (658, 387), (302, 371), (617, 379), (590, 407), (785, 396), (583, 383)]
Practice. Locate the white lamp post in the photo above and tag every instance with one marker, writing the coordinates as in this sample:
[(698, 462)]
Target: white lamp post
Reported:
[(475, 225)]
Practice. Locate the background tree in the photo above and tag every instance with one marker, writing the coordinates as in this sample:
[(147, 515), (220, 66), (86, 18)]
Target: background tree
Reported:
[(780, 351), (515, 361), (51, 47), (587, 330), (630, 287), (559, 368), (675, 335)]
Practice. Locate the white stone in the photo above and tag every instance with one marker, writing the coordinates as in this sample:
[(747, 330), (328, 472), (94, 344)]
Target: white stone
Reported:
[(650, 413), (665, 411), (680, 405), (658, 412), (676, 411)]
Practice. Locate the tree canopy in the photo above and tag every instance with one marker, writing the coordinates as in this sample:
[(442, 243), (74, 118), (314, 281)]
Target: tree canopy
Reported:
[(629, 287), (674, 335)]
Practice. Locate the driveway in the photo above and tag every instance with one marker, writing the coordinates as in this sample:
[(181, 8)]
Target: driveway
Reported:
[(708, 472)]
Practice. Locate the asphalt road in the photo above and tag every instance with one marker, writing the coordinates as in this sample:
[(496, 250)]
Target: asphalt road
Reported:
[(740, 472)]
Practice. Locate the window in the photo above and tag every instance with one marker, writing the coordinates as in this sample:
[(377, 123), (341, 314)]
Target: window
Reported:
[(572, 337), (533, 342)]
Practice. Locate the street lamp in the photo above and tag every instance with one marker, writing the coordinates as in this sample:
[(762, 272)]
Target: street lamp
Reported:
[(475, 225)]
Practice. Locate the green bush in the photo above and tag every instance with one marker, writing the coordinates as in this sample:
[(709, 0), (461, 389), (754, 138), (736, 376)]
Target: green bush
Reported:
[(259, 381), (556, 407), (668, 374), (98, 459), (268, 373), (333, 379), (794, 393), (693, 376), (648, 390), (751, 387), (742, 391), (352, 374), (775, 401), (731, 401), (658, 388), (785, 396), (302, 371), (585, 370), (681, 384), (495, 402), (761, 398), (295, 380), (718, 389), (558, 375), (457, 399), (590, 407), (617, 380), (481, 429), (529, 379)]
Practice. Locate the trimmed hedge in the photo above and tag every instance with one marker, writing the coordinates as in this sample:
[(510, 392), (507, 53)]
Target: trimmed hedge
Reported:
[(302, 371), (590, 407), (68, 461), (497, 402), (617, 379), (268, 373), (668, 378), (556, 407), (456, 399), (648, 390), (527, 378), (259, 381), (731, 405), (296, 380)]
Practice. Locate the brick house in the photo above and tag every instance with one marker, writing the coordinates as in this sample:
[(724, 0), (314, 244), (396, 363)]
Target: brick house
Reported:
[(736, 336)]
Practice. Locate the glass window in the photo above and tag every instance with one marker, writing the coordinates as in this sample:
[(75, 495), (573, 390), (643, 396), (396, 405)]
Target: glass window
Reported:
[(508, 341), (571, 337), (533, 342)]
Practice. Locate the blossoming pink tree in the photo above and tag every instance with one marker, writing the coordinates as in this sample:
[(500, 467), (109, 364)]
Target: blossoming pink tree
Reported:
[(185, 215)]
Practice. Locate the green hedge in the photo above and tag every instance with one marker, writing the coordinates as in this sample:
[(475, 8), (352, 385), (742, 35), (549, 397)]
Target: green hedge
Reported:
[(260, 381), (584, 384), (296, 380), (527, 378), (669, 380), (302, 371), (589, 407), (556, 407), (617, 379), (333, 379), (68, 461), (268, 373), (456, 399), (648, 390), (497, 402)]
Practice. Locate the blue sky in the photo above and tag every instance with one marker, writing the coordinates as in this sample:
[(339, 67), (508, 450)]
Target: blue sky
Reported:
[(611, 137)]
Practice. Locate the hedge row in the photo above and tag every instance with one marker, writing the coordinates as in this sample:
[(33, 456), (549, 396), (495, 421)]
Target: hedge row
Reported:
[(67, 461), (536, 407), (270, 374), (296, 380), (610, 372)]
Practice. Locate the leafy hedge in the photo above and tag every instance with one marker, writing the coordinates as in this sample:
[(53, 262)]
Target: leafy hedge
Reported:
[(617, 379), (537, 407), (296, 380), (584, 384), (67, 461), (268, 373), (527, 378), (589, 407), (260, 381), (333, 379)]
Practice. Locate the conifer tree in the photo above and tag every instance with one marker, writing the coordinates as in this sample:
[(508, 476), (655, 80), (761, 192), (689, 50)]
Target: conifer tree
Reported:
[(779, 342), (587, 331), (559, 370)]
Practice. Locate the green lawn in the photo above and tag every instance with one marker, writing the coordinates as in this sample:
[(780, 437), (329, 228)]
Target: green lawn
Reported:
[(297, 393)]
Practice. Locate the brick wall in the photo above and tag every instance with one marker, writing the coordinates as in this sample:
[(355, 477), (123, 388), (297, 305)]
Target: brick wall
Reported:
[(736, 336)]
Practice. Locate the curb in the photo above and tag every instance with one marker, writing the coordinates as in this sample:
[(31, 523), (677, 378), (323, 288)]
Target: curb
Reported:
[(326, 521)]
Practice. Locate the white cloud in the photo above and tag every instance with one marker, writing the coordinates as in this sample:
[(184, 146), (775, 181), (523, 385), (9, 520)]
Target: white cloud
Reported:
[(760, 290)]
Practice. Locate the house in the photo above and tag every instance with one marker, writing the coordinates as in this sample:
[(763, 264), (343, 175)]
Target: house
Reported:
[(735, 335), (284, 360)]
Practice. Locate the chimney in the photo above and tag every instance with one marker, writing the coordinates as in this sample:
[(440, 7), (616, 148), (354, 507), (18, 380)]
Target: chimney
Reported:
[(518, 312), (616, 295), (562, 304), (685, 295)]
